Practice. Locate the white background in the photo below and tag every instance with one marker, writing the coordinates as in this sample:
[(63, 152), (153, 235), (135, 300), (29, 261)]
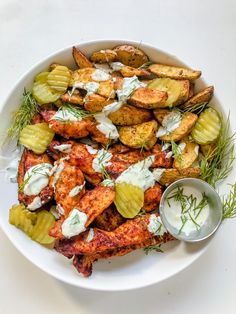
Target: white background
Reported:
[(202, 34)]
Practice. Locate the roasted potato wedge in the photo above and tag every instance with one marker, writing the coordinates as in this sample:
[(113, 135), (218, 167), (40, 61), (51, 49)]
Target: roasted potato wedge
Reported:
[(171, 175), (75, 99), (130, 115), (80, 59), (106, 89), (187, 157), (160, 114), (186, 125), (203, 96), (177, 90), (139, 136), (191, 90), (82, 75), (178, 73), (103, 56), (128, 71), (130, 55), (95, 103), (148, 98)]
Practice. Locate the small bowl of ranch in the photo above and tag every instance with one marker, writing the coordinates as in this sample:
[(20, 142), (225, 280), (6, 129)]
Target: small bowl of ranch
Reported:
[(191, 210)]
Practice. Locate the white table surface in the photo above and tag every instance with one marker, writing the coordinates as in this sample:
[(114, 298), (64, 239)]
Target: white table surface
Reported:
[(201, 33)]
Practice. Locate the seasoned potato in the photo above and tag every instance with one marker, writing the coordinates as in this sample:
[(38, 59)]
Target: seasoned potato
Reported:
[(140, 135), (188, 156), (128, 71), (177, 91), (106, 89), (160, 114), (82, 75), (95, 103), (178, 73), (130, 55), (148, 98), (171, 175), (75, 99), (203, 96), (80, 59), (191, 90), (186, 125), (129, 115), (103, 56)]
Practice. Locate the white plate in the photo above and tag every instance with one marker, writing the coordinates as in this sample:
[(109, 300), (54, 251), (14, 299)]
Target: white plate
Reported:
[(120, 273)]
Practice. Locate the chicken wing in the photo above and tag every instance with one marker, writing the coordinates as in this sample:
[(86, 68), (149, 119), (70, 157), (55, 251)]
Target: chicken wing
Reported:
[(28, 160)]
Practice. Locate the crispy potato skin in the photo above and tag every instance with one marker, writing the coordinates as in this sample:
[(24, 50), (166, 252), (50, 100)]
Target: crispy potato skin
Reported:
[(203, 96), (188, 156), (178, 73), (82, 75), (28, 160), (148, 98), (130, 115), (131, 56), (75, 99), (117, 79), (80, 59), (103, 56), (84, 263), (140, 135), (97, 135), (128, 71), (95, 103), (74, 129), (171, 175), (186, 125), (160, 113), (132, 232), (109, 220), (152, 197)]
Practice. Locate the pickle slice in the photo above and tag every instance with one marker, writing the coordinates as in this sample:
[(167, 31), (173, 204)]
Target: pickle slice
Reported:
[(59, 78), (41, 77), (129, 199), (207, 127), (45, 221)]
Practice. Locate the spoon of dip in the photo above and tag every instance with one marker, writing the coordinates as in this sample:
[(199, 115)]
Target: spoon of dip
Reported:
[(191, 210)]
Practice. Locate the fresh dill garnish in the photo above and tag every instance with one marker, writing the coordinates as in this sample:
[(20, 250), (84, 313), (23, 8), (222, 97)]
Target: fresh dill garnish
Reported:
[(197, 108), (34, 171), (217, 165), (177, 152), (141, 213), (145, 66), (23, 115), (190, 208), (229, 203), (78, 112), (151, 248), (102, 158)]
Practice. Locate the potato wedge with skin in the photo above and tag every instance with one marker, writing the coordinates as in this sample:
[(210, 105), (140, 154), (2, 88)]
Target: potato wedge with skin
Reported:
[(128, 71), (95, 103), (140, 135), (75, 99), (130, 115), (187, 157), (130, 55), (178, 73), (82, 75), (186, 125), (177, 90), (171, 175), (80, 59), (103, 56), (203, 96), (191, 90), (160, 114), (106, 89), (117, 80), (148, 98)]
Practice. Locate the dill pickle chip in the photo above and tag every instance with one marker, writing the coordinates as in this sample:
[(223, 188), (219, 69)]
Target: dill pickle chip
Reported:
[(45, 221), (41, 77), (207, 127), (36, 137), (42, 92), (129, 199), (58, 79)]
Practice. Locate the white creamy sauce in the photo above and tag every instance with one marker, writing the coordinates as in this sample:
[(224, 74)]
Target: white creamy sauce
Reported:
[(196, 149), (100, 75), (75, 191), (156, 226), (116, 66), (90, 235), (106, 126), (90, 87), (74, 224), (108, 182), (165, 146), (116, 105), (91, 150), (181, 147), (65, 115), (58, 172), (158, 173), (170, 123), (101, 160), (139, 174), (169, 154), (174, 213), (36, 178), (130, 84), (64, 148), (35, 204), (103, 66)]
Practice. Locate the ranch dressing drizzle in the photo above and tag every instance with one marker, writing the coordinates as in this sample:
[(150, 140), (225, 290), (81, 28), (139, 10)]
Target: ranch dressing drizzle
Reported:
[(130, 84), (116, 66), (156, 226), (65, 115), (101, 160), (100, 75), (76, 190), (170, 123), (64, 148), (90, 87), (35, 204), (90, 235), (106, 126), (74, 224)]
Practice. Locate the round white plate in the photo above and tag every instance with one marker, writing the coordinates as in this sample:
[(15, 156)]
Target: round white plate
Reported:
[(120, 273)]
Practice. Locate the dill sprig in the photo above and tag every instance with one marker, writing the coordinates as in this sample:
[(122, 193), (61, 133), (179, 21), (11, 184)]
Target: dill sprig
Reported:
[(151, 248), (102, 158), (78, 112), (141, 213), (34, 171), (229, 203), (196, 108), (177, 153), (146, 65), (217, 165), (23, 115)]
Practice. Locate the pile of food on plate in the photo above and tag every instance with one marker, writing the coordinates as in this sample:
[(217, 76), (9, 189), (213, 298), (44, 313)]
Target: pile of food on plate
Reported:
[(101, 143)]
